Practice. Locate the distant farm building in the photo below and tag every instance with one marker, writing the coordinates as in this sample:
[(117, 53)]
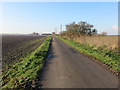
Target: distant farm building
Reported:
[(46, 34), (53, 32), (35, 33)]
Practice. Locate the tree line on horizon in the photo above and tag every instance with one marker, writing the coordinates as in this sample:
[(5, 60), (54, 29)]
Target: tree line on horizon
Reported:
[(79, 29)]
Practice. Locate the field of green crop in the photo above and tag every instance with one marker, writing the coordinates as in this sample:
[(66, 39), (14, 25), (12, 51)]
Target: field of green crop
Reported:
[(108, 57), (23, 73)]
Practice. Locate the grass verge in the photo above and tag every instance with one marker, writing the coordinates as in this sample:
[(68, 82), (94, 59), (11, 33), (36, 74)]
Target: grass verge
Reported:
[(107, 57), (28, 69)]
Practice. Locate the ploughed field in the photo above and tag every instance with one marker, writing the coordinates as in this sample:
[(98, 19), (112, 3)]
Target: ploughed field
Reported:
[(15, 47)]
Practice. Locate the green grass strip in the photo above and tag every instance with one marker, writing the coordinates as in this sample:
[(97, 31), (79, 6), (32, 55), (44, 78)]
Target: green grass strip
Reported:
[(108, 57), (28, 69)]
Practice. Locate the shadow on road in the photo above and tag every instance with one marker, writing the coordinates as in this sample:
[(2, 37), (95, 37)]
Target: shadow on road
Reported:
[(48, 61)]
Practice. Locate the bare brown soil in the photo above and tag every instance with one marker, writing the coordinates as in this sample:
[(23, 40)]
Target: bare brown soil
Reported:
[(15, 47)]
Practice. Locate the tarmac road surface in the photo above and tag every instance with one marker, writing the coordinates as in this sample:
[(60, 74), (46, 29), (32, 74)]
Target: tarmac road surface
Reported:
[(67, 68)]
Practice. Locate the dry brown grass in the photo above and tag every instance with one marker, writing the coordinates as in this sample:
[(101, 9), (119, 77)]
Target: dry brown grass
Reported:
[(108, 42)]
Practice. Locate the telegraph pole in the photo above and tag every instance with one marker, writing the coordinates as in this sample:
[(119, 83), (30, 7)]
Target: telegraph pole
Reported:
[(61, 28)]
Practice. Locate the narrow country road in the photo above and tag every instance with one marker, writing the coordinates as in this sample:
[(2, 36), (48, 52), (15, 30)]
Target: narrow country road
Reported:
[(67, 68)]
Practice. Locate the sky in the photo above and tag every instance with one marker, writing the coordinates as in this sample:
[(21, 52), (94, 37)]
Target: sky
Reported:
[(28, 17)]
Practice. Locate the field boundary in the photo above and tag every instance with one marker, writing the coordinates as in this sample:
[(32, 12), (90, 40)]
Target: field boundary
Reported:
[(89, 51), (23, 74)]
